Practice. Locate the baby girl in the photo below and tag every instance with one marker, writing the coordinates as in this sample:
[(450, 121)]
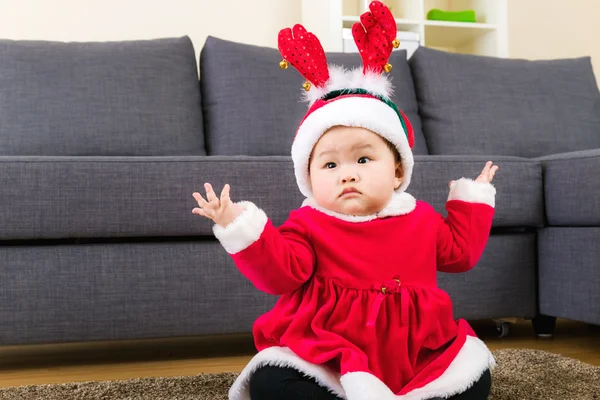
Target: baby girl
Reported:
[(360, 315)]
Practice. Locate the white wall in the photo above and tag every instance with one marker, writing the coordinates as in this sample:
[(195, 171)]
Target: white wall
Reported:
[(537, 28), (246, 21), (542, 29)]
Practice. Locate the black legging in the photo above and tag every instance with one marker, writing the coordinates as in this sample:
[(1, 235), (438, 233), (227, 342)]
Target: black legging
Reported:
[(280, 383)]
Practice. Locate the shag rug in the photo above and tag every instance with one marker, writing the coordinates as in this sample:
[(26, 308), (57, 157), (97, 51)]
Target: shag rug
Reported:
[(520, 374)]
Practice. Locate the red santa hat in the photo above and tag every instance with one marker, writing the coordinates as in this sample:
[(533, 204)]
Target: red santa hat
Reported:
[(359, 98)]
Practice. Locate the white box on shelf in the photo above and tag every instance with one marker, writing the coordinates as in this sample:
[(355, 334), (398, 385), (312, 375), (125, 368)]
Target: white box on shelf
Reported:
[(409, 41)]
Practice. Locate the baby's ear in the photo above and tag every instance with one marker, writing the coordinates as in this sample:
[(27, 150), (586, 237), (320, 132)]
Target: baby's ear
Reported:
[(397, 183), (399, 176), (399, 170)]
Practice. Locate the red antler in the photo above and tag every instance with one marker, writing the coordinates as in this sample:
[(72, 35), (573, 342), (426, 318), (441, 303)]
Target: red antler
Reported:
[(375, 35), (303, 50)]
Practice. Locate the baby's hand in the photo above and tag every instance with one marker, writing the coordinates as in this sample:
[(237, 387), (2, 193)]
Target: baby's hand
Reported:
[(222, 211), (486, 175)]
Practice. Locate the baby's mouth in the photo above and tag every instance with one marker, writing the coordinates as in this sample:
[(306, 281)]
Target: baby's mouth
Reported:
[(349, 192)]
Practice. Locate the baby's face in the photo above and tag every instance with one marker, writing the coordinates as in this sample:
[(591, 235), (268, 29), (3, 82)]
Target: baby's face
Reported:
[(353, 171)]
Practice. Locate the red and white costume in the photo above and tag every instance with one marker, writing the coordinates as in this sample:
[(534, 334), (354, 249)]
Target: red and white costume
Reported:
[(360, 310), (334, 323)]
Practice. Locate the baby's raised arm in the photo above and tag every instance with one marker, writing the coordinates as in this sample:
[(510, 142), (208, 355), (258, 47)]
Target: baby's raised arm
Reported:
[(276, 260), (463, 234)]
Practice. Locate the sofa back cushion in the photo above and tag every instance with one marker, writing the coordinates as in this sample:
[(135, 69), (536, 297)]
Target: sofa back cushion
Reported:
[(484, 105), (252, 107), (131, 98)]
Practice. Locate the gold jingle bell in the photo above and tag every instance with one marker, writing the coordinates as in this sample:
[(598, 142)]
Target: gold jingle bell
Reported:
[(283, 64), (396, 43), (387, 67), (306, 86)]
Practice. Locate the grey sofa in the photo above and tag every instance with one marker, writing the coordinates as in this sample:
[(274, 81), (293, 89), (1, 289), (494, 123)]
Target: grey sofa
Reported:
[(542, 111), (102, 144)]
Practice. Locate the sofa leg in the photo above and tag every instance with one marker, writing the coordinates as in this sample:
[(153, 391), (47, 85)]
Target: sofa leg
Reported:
[(544, 325)]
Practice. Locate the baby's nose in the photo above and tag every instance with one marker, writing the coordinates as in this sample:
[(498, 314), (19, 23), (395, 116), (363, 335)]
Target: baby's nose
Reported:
[(349, 178)]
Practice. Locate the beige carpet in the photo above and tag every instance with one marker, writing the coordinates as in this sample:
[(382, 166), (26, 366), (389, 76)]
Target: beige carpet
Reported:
[(520, 374)]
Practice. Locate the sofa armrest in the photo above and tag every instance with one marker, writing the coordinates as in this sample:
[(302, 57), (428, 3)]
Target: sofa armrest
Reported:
[(572, 188)]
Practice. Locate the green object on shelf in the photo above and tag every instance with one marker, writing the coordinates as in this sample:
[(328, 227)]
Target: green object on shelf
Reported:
[(436, 14)]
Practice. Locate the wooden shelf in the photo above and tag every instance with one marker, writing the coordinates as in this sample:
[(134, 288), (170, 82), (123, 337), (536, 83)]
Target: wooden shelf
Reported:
[(399, 21), (454, 35), (403, 21), (488, 36), (467, 25), (409, 25)]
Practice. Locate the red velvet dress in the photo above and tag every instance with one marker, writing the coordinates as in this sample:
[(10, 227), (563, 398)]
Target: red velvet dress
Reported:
[(360, 309)]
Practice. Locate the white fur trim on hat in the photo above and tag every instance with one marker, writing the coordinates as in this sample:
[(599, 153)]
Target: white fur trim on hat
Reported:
[(350, 110), (340, 78)]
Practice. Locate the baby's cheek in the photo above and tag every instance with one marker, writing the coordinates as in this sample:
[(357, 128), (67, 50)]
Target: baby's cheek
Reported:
[(320, 188)]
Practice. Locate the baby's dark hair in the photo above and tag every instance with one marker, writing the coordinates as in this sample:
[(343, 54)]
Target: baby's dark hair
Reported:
[(394, 150)]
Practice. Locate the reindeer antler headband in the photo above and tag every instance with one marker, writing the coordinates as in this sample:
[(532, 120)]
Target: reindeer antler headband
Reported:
[(374, 35)]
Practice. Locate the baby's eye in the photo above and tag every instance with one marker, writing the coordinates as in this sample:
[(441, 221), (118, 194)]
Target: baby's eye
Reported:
[(330, 165), (364, 160)]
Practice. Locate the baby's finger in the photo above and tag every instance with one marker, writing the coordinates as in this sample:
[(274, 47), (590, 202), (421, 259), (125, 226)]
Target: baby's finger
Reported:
[(210, 193), (204, 213), (225, 194), (493, 171), (208, 212), (486, 168), (199, 199)]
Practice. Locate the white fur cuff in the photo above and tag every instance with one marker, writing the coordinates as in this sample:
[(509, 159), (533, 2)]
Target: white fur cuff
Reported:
[(466, 189), (244, 230)]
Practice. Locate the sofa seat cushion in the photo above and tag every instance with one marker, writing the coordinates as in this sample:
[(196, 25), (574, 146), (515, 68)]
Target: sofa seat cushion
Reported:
[(129, 98), (252, 107), (120, 291), (572, 188), (100, 291), (501, 285), (484, 105), (111, 197)]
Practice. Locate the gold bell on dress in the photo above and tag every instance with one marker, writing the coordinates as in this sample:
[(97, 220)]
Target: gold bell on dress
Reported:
[(306, 86), (396, 43), (283, 64), (387, 67)]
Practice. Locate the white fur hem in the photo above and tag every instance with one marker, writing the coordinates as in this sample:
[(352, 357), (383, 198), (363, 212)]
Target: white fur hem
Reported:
[(369, 113), (244, 230), (474, 192), (365, 386), (471, 362), (283, 357), (473, 359)]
